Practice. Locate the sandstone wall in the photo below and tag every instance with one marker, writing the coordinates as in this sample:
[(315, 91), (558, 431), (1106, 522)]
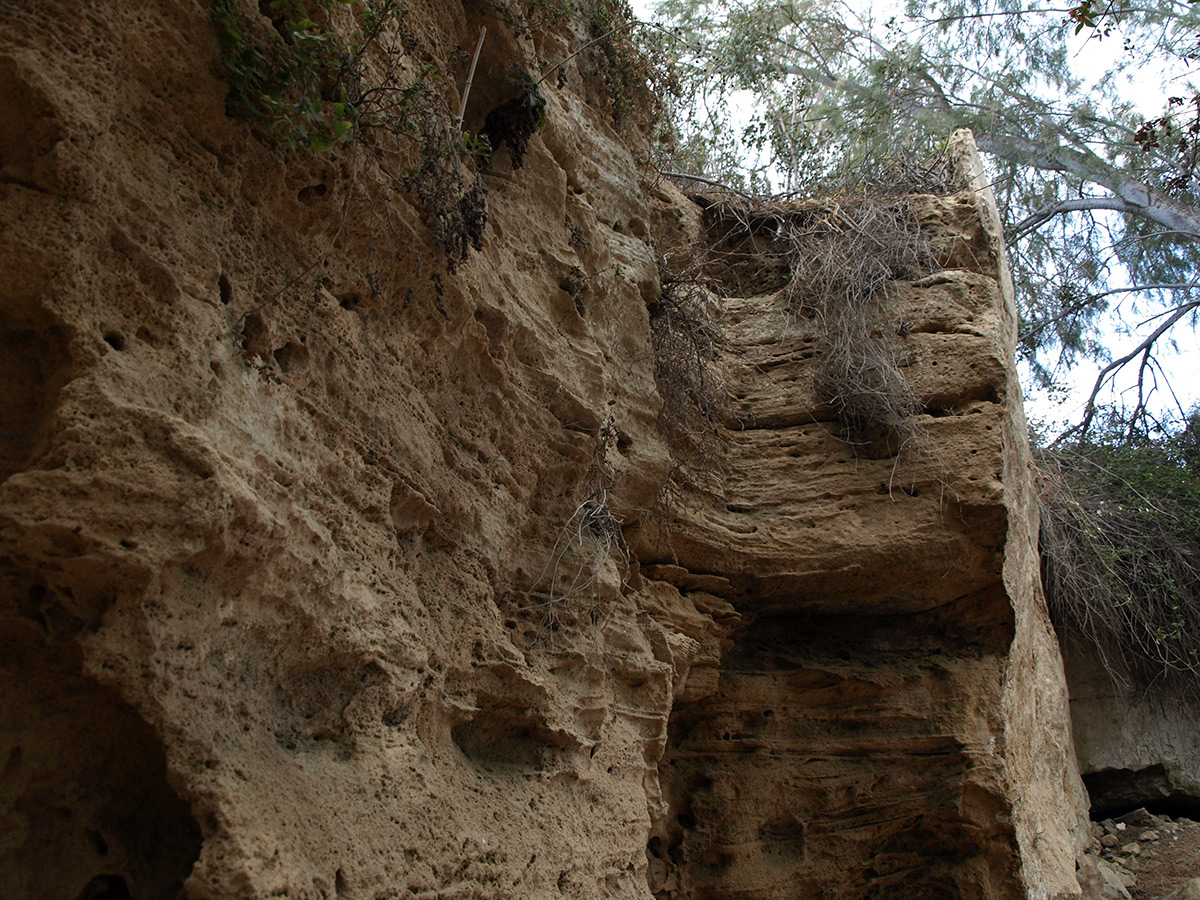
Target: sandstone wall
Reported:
[(291, 518), (889, 712)]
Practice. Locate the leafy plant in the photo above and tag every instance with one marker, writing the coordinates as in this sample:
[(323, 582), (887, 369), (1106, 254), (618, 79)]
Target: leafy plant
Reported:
[(475, 147), (295, 80), (305, 82), (632, 66)]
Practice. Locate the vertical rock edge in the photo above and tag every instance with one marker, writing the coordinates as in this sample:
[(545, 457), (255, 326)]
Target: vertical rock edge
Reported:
[(1049, 801)]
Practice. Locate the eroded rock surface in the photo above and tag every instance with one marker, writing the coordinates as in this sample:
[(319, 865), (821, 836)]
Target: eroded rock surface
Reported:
[(886, 713), (306, 588)]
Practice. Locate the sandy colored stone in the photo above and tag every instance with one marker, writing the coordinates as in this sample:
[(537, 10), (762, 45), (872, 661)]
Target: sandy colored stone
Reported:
[(1098, 881), (293, 602), (1135, 746)]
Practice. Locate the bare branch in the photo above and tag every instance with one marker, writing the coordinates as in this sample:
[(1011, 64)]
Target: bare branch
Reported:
[(1143, 349), (1144, 201), (1036, 219)]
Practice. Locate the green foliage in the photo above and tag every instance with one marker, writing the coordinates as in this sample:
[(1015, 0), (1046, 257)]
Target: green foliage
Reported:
[(296, 79), (1121, 549), (476, 147), (302, 80), (631, 65)]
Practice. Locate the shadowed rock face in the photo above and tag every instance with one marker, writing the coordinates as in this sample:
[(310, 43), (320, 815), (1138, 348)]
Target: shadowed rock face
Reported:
[(837, 759), (1137, 746), (296, 601), (88, 810)]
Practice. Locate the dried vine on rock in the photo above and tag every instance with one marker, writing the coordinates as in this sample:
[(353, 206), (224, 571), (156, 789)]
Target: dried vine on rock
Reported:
[(845, 254), (688, 339), (586, 544)]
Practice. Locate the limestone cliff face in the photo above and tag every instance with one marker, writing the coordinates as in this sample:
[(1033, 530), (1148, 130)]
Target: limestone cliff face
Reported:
[(1136, 747), (310, 588)]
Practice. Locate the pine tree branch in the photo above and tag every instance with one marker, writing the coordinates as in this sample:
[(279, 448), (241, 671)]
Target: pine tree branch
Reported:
[(1036, 219), (1142, 200)]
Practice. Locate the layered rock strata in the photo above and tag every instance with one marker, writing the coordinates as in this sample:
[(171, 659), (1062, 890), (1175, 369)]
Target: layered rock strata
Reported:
[(310, 582), (889, 713)]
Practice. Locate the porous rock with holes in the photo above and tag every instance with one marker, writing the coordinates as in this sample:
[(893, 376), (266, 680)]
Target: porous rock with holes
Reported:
[(280, 495)]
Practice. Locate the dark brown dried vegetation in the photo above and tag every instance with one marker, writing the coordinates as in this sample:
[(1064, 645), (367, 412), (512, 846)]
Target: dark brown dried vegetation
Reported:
[(845, 254), (687, 337), (515, 122)]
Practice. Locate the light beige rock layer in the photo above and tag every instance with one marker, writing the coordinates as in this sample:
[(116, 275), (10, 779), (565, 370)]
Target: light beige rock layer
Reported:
[(1136, 747), (290, 516)]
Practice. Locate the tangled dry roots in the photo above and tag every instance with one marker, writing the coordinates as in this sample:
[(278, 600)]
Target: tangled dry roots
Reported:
[(588, 541), (845, 253), (688, 339)]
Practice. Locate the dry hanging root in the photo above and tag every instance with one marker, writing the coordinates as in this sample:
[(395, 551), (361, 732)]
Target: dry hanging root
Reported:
[(586, 543), (1120, 563), (844, 256), (688, 339)]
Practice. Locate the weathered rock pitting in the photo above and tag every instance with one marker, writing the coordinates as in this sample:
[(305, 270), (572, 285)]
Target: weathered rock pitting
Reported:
[(281, 497)]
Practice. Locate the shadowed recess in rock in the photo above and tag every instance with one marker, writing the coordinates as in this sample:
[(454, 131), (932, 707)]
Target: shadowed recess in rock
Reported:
[(836, 759), (86, 806)]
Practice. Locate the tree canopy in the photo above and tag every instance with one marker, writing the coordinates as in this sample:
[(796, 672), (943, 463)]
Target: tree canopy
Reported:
[(1101, 203)]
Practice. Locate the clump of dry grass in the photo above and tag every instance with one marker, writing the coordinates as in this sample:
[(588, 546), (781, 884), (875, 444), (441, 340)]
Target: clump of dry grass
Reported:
[(688, 339), (845, 255), (1120, 541)]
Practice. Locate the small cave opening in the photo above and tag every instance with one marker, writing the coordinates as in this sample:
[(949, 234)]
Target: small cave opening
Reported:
[(1117, 792), (85, 777), (34, 366), (106, 887)]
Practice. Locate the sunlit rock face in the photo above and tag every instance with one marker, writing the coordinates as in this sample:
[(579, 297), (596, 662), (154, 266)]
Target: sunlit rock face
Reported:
[(308, 586), (887, 710)]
